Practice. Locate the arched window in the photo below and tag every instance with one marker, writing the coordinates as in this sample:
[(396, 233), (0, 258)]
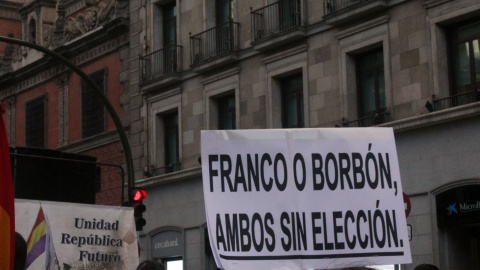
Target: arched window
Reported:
[(32, 31)]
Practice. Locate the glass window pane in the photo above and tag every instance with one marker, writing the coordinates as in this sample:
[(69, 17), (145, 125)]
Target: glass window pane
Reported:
[(291, 110), (462, 67), (476, 55), (300, 110), (292, 101), (35, 123), (371, 79), (171, 139), (93, 115), (467, 31), (368, 92), (223, 11), (381, 88), (226, 112), (169, 24)]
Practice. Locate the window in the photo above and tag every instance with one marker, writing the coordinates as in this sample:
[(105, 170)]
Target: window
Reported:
[(292, 101), (164, 144), (287, 89), (370, 86), (164, 25), (170, 125), (93, 112), (289, 14), (223, 33), (35, 122), (226, 112), (169, 24), (170, 37), (223, 11), (465, 63), (32, 31)]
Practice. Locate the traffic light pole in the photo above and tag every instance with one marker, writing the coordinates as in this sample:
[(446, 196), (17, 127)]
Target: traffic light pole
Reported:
[(118, 124)]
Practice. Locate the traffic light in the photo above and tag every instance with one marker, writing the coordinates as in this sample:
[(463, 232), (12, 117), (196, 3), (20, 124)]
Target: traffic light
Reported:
[(135, 201)]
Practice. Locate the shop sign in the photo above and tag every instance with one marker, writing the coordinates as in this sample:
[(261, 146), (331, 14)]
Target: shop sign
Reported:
[(167, 244), (460, 205)]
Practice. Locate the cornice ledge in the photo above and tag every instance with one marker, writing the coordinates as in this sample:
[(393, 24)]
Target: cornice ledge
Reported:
[(220, 75), (169, 178), (432, 3), (92, 142), (434, 118), (362, 27), (163, 95), (284, 54)]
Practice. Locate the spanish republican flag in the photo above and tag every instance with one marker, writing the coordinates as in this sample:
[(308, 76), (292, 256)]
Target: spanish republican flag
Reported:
[(37, 239), (7, 214)]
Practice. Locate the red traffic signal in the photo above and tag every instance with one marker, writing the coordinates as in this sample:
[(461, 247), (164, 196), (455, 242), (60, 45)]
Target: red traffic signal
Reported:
[(137, 195), (135, 201)]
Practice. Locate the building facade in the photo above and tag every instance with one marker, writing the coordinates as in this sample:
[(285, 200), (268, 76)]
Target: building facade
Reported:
[(51, 107), (412, 65)]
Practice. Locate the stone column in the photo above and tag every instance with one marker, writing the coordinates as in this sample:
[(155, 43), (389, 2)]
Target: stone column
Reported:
[(62, 82), (10, 103)]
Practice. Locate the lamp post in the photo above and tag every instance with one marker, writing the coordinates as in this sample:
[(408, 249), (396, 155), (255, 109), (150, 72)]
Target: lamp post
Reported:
[(118, 124)]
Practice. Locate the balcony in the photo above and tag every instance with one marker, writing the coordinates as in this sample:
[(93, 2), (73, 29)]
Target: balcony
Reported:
[(373, 120), (456, 100), (214, 47), (162, 66), (337, 12), (277, 24)]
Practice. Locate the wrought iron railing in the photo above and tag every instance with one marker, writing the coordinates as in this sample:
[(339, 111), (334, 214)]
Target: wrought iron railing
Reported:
[(456, 100), (373, 120), (332, 6), (160, 63), (213, 42), (275, 18), (167, 169)]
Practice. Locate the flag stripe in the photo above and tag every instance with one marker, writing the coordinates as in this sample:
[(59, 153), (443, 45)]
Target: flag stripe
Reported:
[(36, 240), (36, 235), (4, 239), (7, 232), (37, 249), (40, 219)]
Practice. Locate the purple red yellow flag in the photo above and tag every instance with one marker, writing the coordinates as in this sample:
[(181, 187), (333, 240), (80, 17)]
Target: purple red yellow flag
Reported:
[(37, 238), (7, 209)]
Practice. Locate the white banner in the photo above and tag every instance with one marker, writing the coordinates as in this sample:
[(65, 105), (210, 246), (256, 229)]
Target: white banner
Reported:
[(304, 198), (76, 236)]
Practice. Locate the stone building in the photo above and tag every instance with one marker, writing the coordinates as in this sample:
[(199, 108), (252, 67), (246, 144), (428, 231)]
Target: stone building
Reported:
[(51, 107), (412, 65)]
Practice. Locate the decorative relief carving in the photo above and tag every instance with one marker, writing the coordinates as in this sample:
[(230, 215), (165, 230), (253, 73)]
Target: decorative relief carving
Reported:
[(66, 29), (47, 35), (97, 14)]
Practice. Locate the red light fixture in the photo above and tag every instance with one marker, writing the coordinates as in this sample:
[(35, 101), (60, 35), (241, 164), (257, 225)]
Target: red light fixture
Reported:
[(139, 195)]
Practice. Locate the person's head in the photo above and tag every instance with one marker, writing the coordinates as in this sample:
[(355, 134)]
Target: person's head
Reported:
[(426, 266), (20, 252), (150, 265)]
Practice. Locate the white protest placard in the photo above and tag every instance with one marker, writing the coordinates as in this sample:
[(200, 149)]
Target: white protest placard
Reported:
[(304, 198), (73, 236)]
